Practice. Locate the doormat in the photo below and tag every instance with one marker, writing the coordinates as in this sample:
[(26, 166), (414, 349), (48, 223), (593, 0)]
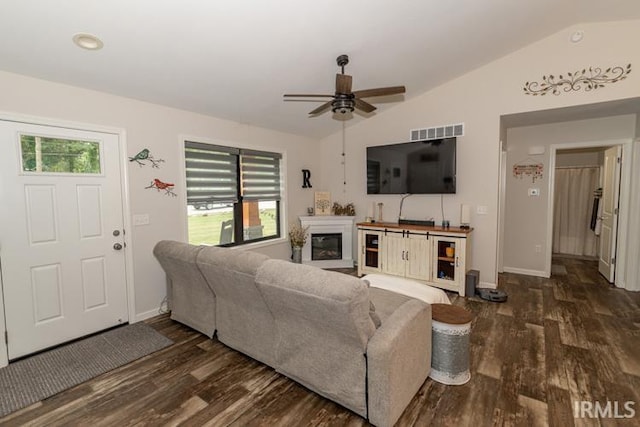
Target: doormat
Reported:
[(37, 377)]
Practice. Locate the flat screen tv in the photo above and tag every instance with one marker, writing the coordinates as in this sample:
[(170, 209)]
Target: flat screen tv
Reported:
[(421, 167)]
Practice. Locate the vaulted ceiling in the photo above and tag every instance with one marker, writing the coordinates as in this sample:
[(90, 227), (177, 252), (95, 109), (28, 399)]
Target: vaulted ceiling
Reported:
[(236, 59)]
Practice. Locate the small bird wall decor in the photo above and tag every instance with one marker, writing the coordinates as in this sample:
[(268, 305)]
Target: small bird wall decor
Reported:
[(145, 156), (159, 186)]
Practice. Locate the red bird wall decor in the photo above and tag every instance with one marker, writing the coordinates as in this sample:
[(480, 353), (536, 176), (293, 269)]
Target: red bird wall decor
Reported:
[(166, 186)]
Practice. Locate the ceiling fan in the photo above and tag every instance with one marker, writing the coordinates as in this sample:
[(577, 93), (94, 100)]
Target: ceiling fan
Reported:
[(344, 100)]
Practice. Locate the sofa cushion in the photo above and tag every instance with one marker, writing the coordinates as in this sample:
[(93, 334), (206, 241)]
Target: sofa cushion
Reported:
[(372, 308), (242, 317), (323, 324), (386, 302), (373, 315)]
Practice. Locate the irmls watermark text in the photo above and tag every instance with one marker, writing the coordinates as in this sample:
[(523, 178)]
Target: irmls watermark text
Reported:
[(608, 409)]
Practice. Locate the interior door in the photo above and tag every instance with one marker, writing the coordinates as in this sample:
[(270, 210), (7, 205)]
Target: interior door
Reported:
[(61, 235), (609, 216)]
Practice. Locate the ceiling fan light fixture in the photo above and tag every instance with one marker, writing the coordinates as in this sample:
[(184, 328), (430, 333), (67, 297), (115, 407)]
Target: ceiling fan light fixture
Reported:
[(346, 100), (342, 106)]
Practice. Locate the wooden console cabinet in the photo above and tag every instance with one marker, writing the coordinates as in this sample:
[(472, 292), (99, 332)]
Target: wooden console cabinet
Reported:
[(437, 256)]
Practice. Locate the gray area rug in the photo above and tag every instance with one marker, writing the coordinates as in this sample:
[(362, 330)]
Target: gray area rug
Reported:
[(43, 375)]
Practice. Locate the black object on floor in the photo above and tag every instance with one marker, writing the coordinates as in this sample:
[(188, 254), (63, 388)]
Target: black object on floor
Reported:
[(494, 295)]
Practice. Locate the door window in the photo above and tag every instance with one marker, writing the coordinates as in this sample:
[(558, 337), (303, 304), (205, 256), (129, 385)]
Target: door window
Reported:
[(41, 154)]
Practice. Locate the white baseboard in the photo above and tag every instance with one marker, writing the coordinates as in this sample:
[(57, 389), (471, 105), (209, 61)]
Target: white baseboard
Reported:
[(139, 317), (537, 273), (488, 285)]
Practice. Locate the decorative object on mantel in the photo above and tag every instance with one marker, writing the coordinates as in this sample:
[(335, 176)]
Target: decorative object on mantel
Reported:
[(322, 202), (298, 237), (306, 178), (144, 156), (528, 167), (159, 185), (349, 209), (589, 78)]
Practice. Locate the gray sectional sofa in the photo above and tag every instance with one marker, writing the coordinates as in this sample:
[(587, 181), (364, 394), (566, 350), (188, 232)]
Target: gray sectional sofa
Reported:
[(367, 349)]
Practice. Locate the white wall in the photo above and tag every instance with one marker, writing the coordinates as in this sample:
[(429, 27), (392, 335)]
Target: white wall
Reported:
[(525, 216), (479, 99), (160, 129)]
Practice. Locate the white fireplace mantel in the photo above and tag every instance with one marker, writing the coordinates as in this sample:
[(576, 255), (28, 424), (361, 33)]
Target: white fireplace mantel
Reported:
[(329, 224)]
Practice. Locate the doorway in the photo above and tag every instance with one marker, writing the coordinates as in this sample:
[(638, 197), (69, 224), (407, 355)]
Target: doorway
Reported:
[(586, 195), (584, 214), (62, 246), (577, 195)]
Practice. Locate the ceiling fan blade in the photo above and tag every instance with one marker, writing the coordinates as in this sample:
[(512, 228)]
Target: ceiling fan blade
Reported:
[(306, 95), (321, 109), (343, 83), (364, 106), (381, 91)]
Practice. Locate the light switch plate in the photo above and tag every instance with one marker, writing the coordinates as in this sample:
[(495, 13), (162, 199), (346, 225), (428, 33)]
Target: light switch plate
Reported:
[(534, 192), (141, 219), (482, 210)]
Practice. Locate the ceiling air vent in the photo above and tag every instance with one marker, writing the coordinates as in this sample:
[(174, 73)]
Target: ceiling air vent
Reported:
[(438, 132)]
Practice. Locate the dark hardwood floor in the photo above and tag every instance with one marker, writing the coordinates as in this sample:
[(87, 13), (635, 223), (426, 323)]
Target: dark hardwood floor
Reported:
[(556, 341)]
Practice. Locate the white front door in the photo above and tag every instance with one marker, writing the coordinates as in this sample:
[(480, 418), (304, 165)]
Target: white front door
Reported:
[(61, 235), (609, 216)]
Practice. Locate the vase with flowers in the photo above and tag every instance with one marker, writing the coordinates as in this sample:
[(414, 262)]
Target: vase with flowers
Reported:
[(297, 237)]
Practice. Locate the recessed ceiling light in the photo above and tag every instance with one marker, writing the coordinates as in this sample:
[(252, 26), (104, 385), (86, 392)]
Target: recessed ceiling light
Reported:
[(576, 36), (87, 41)]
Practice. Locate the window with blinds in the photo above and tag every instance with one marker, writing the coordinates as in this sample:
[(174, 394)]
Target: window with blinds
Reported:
[(260, 175), (212, 173), (233, 195)]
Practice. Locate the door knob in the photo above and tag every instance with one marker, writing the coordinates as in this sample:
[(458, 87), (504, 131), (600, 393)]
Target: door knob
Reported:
[(117, 246)]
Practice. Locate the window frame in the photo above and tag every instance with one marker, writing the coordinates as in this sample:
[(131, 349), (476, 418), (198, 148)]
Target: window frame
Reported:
[(21, 165), (237, 212)]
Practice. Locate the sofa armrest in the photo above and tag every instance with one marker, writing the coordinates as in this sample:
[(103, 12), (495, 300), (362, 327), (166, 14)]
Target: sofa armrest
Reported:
[(191, 300), (399, 361)]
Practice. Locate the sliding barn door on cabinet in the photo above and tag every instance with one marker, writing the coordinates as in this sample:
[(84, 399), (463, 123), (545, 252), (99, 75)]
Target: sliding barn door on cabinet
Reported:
[(418, 255)]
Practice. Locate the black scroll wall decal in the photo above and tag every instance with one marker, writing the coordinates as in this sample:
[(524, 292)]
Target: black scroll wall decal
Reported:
[(588, 79)]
